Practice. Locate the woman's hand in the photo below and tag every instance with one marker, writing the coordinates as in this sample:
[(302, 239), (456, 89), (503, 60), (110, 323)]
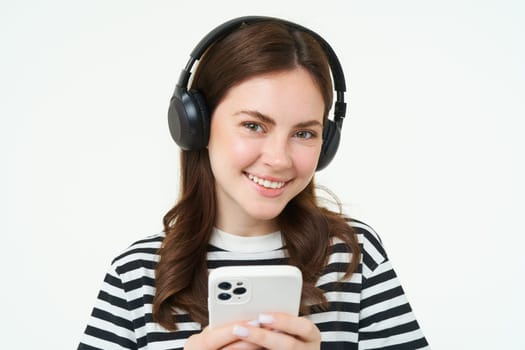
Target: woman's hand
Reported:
[(219, 338), (278, 331)]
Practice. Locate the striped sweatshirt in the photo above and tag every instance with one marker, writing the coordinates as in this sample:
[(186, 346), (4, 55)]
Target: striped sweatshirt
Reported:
[(367, 311)]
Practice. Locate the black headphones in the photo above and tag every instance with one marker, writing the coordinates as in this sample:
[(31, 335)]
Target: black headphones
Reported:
[(188, 115)]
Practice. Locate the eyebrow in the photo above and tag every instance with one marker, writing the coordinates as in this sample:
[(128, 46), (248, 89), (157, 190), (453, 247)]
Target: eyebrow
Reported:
[(268, 120)]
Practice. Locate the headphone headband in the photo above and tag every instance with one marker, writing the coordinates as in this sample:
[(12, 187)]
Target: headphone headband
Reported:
[(233, 24)]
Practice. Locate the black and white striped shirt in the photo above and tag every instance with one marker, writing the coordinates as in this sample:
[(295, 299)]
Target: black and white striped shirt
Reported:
[(368, 311)]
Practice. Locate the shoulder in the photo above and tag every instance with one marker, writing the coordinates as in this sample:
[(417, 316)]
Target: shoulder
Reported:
[(373, 252), (141, 253)]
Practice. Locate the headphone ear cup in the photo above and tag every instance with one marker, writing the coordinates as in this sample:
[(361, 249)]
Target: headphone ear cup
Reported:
[(331, 138), (189, 120)]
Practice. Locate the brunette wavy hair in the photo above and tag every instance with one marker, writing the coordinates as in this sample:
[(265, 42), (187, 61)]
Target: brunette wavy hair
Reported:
[(307, 228)]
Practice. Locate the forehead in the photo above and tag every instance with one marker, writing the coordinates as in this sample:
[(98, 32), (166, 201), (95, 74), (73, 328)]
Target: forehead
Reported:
[(288, 94)]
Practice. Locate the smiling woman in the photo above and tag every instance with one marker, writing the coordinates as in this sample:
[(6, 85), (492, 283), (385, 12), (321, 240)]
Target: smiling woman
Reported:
[(254, 128)]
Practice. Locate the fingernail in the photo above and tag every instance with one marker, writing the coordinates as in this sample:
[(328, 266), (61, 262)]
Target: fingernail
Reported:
[(253, 323), (240, 331), (266, 319)]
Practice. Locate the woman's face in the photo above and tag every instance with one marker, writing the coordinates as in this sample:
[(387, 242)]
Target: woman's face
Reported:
[(265, 140)]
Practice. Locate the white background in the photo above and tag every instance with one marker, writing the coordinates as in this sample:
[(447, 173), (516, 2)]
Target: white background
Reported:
[(431, 155)]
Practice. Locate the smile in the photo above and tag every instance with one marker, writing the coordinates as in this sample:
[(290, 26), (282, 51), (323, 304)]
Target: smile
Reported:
[(266, 183)]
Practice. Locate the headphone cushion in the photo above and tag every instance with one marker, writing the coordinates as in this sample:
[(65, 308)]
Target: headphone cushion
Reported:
[(201, 120), (331, 138)]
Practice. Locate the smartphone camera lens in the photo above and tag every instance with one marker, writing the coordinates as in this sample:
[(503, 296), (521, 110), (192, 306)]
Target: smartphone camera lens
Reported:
[(224, 296), (239, 291), (225, 285)]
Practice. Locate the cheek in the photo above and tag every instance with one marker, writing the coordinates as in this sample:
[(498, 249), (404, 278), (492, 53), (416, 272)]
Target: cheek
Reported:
[(236, 150), (306, 159)]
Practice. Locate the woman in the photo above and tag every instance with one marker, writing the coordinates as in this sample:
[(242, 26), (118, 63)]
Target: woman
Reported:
[(248, 197)]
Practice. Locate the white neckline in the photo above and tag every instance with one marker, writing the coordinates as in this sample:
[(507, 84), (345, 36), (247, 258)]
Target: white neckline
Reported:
[(246, 244)]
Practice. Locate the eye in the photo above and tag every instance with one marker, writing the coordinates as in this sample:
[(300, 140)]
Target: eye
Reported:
[(252, 126), (305, 134)]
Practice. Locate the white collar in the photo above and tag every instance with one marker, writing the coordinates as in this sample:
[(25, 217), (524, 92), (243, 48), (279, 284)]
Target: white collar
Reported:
[(246, 244)]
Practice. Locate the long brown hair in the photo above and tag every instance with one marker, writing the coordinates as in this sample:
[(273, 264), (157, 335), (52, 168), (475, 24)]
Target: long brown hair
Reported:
[(307, 228)]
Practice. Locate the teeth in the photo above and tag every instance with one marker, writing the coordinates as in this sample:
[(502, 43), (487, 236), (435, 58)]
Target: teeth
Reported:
[(265, 183)]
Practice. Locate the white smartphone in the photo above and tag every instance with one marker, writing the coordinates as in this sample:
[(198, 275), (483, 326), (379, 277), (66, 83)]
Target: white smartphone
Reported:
[(237, 293)]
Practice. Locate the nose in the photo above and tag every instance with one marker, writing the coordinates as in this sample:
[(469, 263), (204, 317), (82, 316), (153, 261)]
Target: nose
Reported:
[(276, 152)]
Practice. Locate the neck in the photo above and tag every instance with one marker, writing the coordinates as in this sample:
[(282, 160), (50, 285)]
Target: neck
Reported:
[(249, 229)]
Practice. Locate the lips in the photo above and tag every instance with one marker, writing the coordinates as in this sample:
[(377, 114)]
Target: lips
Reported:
[(266, 183)]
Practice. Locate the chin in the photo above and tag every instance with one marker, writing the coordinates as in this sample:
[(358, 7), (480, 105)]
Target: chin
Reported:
[(266, 215)]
